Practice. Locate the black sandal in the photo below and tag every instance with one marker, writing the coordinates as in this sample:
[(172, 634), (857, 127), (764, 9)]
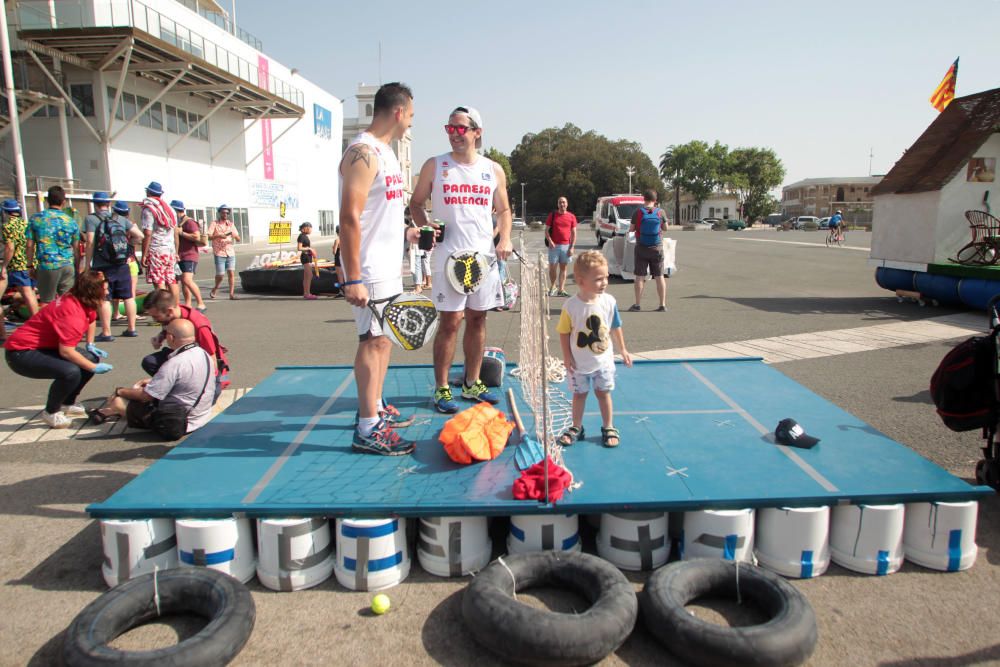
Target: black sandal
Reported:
[(97, 417), (609, 432), (570, 436)]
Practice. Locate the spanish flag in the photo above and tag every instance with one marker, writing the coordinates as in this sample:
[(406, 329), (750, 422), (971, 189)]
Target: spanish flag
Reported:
[(945, 92)]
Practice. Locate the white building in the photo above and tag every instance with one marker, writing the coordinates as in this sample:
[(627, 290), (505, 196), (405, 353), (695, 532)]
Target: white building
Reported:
[(402, 147), (719, 204), (198, 106)]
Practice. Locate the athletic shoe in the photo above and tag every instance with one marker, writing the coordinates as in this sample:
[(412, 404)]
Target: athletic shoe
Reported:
[(130, 333), (393, 417), (661, 309), (444, 402), (75, 410), (553, 292), (383, 441), (634, 308), (56, 419), (479, 392), (562, 292), (103, 338)]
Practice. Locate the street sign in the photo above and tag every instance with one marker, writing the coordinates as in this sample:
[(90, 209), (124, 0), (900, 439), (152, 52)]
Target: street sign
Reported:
[(279, 232)]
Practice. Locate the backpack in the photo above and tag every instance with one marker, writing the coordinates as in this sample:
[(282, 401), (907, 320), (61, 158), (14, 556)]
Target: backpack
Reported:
[(649, 227), (221, 360), (964, 386), (111, 242)]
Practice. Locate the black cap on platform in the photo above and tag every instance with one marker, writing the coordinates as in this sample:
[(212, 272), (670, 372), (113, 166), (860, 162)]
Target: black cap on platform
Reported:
[(788, 432)]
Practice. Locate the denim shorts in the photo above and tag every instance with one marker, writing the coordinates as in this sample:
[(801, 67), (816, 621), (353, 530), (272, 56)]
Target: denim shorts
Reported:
[(188, 265), (223, 264), (603, 379), (20, 279), (559, 254)]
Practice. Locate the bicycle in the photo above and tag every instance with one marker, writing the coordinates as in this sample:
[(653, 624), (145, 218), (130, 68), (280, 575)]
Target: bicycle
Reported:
[(836, 236)]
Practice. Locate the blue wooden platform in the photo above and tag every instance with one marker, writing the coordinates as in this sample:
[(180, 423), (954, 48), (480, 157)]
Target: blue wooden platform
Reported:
[(695, 435)]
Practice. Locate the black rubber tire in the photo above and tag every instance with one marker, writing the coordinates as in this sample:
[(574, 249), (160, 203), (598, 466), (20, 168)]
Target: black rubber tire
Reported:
[(788, 638), (224, 601), (532, 636)]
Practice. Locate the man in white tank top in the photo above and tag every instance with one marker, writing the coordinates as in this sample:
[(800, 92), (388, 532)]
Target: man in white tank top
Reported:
[(372, 233), (466, 191)]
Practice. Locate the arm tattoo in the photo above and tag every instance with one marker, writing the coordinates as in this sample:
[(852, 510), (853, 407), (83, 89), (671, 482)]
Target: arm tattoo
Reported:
[(360, 153)]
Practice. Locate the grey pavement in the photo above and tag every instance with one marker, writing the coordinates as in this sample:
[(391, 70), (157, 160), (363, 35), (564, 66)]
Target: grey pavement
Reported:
[(730, 287)]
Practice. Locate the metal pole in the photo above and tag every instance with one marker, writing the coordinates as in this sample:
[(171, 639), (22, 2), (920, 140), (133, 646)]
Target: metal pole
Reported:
[(63, 126), (542, 295), (8, 75), (630, 170), (522, 204)]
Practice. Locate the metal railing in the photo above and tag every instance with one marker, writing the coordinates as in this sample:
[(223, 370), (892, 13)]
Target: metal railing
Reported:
[(223, 22), (35, 15)]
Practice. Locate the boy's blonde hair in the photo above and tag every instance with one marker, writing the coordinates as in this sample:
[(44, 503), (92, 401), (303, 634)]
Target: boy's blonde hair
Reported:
[(588, 261)]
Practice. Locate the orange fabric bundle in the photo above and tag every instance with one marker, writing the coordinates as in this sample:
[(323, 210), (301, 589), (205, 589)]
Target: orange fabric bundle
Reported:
[(477, 434)]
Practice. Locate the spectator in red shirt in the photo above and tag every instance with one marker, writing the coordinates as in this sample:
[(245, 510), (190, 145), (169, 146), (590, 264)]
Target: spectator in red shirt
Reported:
[(560, 237), (45, 347), (162, 306), (187, 249)]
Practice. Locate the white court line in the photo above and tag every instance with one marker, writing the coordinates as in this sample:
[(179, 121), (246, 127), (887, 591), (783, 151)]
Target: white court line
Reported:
[(763, 430), (816, 245), (294, 444)]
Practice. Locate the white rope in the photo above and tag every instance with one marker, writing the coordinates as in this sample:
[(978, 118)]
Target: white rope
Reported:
[(739, 597), (156, 589), (512, 578)]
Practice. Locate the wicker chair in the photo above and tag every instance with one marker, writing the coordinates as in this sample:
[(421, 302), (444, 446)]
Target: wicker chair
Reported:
[(984, 248)]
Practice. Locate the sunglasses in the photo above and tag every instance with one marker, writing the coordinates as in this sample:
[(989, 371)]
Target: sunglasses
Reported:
[(460, 129)]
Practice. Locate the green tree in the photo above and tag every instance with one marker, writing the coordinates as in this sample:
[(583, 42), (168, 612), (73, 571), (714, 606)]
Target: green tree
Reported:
[(694, 167), (504, 162), (752, 173), (581, 166)]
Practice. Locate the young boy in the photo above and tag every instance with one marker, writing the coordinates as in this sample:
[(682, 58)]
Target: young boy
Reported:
[(587, 326)]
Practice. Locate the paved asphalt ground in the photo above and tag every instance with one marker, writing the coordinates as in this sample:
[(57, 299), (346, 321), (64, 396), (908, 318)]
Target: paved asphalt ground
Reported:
[(728, 288)]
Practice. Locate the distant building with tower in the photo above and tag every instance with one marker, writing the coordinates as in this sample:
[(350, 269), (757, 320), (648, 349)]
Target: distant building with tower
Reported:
[(402, 147)]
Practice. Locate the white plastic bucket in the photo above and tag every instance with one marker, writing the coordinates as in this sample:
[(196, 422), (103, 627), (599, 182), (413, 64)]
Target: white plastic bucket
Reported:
[(634, 541), (453, 546), (225, 545), (941, 536), (867, 538), (371, 553), (543, 532), (793, 541), (726, 534), (294, 554), (137, 547)]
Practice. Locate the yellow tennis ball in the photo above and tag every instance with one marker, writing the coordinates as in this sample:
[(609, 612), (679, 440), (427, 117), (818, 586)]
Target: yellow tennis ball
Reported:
[(380, 603)]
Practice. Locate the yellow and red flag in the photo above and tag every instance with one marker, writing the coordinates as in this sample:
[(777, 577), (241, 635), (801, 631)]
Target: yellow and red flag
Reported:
[(945, 92)]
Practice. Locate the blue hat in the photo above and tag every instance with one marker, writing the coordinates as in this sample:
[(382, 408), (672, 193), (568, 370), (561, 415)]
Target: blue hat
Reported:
[(225, 207), (11, 206), (177, 205), (120, 207), (101, 198), (155, 188)]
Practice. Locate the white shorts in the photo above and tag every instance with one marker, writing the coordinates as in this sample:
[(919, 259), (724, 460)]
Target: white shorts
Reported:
[(368, 325), (603, 379), (487, 297)]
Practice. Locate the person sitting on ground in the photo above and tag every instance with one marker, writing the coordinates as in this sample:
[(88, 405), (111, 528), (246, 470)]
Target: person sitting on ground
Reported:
[(589, 323), (163, 307), (44, 347), (181, 384), (307, 256)]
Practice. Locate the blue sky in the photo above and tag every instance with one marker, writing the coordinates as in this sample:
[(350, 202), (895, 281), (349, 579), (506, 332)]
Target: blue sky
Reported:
[(820, 83)]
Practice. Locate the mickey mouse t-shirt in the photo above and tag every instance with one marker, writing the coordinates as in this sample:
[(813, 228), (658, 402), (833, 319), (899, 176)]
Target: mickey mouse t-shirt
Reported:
[(589, 327)]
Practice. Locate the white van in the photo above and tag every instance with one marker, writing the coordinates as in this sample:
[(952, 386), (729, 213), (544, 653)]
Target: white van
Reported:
[(613, 215)]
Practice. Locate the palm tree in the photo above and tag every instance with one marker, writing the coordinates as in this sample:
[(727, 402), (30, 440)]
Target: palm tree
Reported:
[(670, 172)]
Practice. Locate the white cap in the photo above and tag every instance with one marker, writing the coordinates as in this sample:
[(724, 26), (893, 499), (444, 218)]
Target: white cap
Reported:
[(474, 116)]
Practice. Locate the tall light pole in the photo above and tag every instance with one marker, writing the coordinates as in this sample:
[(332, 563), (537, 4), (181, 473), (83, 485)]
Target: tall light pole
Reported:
[(522, 203), (630, 170)]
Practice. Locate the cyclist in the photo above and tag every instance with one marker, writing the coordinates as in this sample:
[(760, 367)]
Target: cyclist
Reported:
[(837, 227)]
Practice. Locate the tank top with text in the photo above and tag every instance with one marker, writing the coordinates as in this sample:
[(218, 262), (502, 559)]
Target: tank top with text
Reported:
[(462, 197), (382, 217)]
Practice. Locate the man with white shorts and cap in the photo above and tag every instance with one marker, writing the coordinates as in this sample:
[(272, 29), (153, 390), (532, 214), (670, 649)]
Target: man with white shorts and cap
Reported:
[(372, 233), (466, 191)]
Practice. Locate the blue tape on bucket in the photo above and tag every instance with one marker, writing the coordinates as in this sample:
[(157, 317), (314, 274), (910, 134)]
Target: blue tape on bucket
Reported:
[(729, 550), (570, 541), (954, 550), (348, 530), (376, 564), (883, 563), (516, 533), (807, 565), (215, 558)]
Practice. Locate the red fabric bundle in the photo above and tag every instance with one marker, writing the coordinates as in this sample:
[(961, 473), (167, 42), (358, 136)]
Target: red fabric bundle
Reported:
[(531, 483)]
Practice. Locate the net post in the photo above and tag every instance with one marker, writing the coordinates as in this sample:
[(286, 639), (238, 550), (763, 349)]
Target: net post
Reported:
[(542, 294)]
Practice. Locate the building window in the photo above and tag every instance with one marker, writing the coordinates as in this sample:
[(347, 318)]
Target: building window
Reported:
[(82, 95), (725, 212), (368, 111), (241, 220), (711, 211), (327, 223), (171, 119)]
